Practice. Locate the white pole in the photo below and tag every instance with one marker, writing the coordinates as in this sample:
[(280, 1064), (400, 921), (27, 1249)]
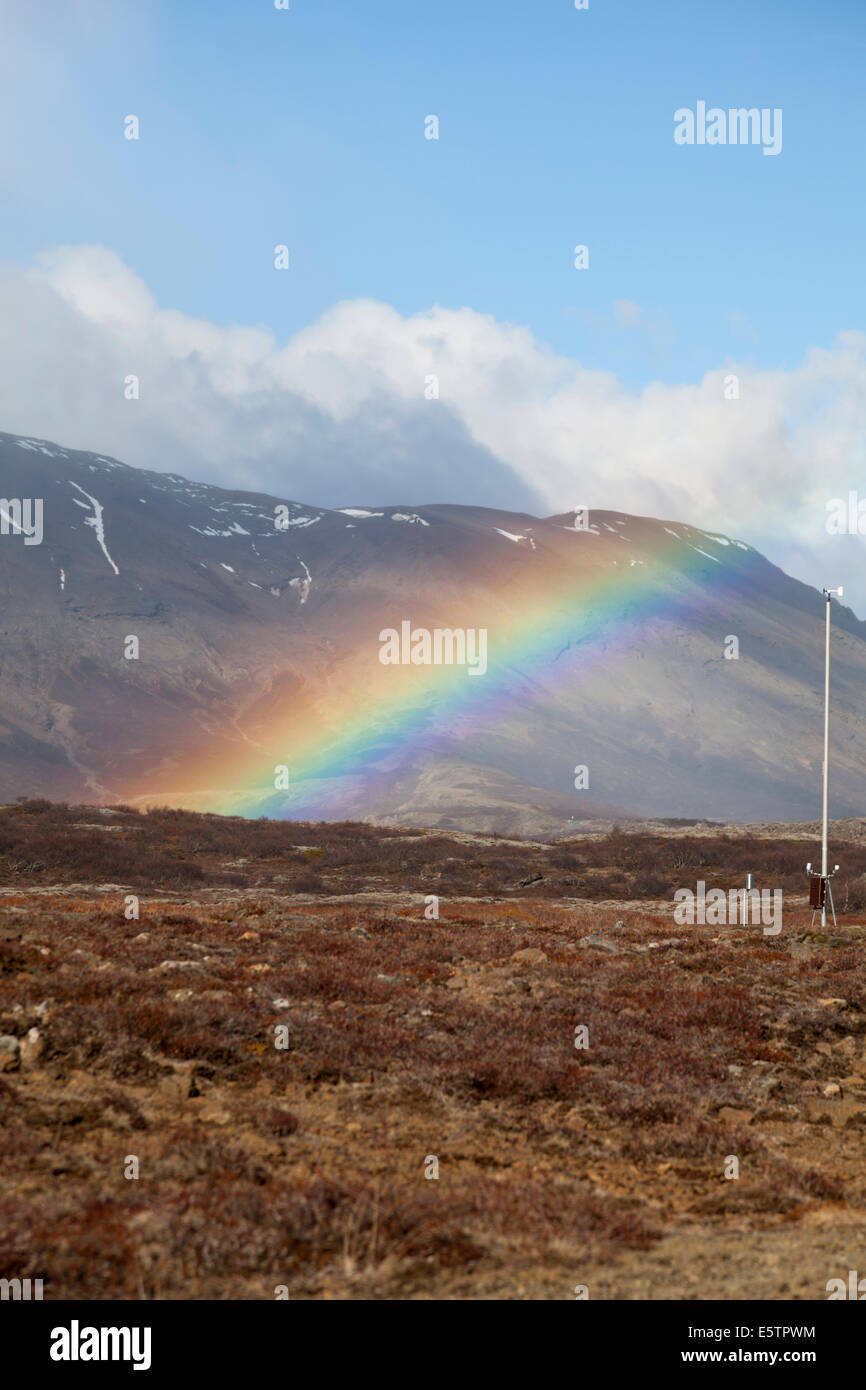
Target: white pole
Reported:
[(826, 757)]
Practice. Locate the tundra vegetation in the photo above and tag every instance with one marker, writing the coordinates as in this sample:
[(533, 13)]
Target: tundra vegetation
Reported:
[(581, 1068)]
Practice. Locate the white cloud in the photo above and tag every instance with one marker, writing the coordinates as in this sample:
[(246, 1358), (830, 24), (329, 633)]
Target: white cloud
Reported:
[(338, 415), (626, 311)]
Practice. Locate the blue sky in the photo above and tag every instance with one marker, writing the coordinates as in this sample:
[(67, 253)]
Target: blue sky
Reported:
[(453, 257), (306, 127)]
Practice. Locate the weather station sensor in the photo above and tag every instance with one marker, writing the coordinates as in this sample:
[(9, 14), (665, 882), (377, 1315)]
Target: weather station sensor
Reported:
[(820, 887)]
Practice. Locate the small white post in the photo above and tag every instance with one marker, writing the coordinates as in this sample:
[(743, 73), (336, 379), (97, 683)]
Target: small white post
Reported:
[(826, 769)]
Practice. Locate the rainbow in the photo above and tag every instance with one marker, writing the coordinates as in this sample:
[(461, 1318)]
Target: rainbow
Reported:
[(341, 743)]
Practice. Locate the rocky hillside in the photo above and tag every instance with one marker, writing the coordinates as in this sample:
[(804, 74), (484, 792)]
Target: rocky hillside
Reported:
[(257, 620)]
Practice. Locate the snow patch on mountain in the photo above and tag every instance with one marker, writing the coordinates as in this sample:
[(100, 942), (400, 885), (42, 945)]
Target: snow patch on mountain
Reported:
[(37, 448), (715, 559), (96, 522), (233, 530), (302, 585)]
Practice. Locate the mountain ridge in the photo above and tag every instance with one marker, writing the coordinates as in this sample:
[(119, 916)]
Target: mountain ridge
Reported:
[(259, 647)]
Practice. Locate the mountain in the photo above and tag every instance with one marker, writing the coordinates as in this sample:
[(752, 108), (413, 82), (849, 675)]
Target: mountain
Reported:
[(259, 648)]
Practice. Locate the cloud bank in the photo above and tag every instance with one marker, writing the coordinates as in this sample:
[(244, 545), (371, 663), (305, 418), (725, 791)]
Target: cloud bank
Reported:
[(348, 412)]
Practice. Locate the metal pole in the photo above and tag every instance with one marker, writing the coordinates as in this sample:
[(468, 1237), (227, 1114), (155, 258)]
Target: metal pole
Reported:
[(826, 756)]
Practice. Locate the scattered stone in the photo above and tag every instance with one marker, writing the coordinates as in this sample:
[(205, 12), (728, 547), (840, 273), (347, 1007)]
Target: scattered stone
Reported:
[(167, 966), (766, 1085), (86, 957), (799, 950), (249, 936), (831, 1089), (336, 1006), (31, 1048), (734, 1115), (599, 943), (280, 1004), (10, 1053), (533, 878), (776, 1114), (530, 956)]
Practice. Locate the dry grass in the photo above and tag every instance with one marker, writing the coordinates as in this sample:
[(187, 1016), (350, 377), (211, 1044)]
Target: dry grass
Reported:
[(409, 1039), (46, 843)]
